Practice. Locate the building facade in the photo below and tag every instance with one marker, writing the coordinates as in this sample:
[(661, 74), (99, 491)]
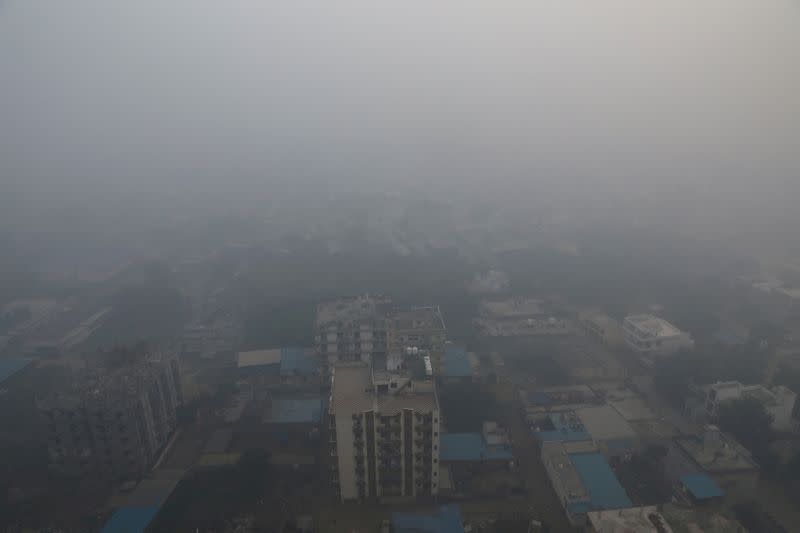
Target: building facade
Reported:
[(114, 424), (652, 337), (385, 440), (778, 401)]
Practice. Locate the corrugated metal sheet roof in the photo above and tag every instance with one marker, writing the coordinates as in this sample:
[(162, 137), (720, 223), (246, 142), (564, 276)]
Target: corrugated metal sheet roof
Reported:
[(470, 447), (130, 520), (446, 520), (600, 482), (455, 363), (701, 486)]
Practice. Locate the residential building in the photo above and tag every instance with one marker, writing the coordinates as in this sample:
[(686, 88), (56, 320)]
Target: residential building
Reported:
[(778, 401), (716, 454), (652, 337), (353, 329), (384, 434), (114, 422), (634, 519), (582, 480)]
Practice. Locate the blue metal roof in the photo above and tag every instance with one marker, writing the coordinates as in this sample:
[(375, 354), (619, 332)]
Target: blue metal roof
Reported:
[(297, 361), (446, 520), (11, 365), (470, 447), (600, 482), (455, 363), (130, 520), (701, 486), (565, 430), (296, 410)]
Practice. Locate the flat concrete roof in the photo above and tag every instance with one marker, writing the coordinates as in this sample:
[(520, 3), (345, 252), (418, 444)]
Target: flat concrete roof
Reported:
[(259, 358), (653, 325), (603, 422)]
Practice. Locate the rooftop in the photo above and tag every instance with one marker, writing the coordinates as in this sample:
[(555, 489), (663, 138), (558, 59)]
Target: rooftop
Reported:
[(418, 318), (447, 519), (297, 361), (603, 422), (725, 455), (632, 409), (631, 520), (653, 326), (353, 392), (566, 428), (694, 520), (259, 358), (455, 363), (295, 411), (471, 447), (130, 520), (701, 486), (11, 365), (602, 485)]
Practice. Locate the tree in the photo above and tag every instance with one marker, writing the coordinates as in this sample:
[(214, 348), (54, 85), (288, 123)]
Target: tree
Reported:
[(751, 425)]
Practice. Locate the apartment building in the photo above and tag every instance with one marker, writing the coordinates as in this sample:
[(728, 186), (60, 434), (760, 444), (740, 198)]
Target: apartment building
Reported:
[(383, 433), (114, 422), (653, 337), (353, 329)]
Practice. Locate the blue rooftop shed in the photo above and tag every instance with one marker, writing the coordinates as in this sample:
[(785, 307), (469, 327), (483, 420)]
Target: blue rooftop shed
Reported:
[(701, 487), (130, 520), (470, 447), (604, 489), (455, 363), (447, 519)]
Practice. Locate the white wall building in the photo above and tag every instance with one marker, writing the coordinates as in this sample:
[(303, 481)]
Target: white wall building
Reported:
[(653, 337), (384, 434), (778, 401)]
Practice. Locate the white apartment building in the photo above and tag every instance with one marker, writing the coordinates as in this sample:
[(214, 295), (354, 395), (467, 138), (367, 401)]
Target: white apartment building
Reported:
[(777, 401), (653, 337), (384, 434)]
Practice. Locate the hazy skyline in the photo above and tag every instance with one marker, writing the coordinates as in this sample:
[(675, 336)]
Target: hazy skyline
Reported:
[(680, 110)]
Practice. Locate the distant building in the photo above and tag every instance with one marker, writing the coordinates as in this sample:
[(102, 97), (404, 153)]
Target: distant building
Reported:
[(114, 423), (353, 329), (652, 337), (603, 327), (420, 327), (519, 317), (778, 401), (385, 440), (719, 456), (582, 480)]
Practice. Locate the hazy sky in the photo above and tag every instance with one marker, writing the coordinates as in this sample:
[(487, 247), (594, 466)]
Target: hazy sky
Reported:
[(671, 104)]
